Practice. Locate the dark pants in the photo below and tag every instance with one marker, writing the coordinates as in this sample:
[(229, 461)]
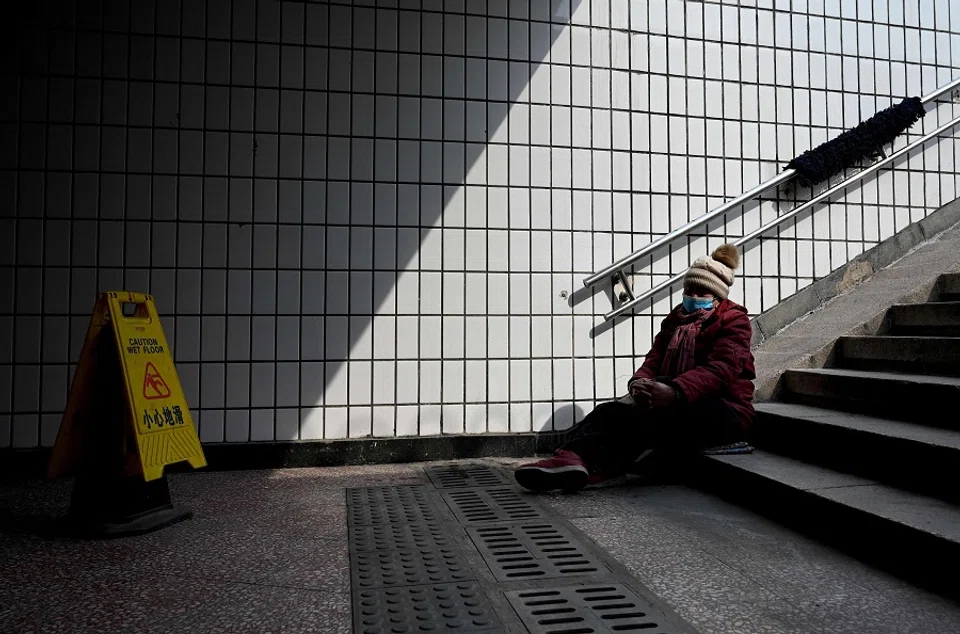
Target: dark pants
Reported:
[(614, 434)]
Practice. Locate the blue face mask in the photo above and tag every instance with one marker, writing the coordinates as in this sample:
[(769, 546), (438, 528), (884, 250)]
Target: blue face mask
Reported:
[(693, 304)]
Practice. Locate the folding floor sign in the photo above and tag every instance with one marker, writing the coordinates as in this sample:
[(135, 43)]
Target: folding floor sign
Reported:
[(126, 419)]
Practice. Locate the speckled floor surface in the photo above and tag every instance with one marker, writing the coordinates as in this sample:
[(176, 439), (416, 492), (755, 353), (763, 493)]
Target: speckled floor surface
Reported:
[(267, 552)]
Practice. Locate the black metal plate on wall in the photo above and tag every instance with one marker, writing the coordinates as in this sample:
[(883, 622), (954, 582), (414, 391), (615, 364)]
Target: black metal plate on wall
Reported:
[(594, 609), (538, 550), (383, 568), (446, 607), (400, 537), (463, 476), (484, 505), (370, 506)]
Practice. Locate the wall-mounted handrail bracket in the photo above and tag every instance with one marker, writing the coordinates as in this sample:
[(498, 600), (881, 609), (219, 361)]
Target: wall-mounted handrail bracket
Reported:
[(623, 287)]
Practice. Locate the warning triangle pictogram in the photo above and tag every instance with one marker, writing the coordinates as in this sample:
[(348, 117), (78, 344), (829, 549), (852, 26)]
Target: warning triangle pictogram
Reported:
[(154, 386)]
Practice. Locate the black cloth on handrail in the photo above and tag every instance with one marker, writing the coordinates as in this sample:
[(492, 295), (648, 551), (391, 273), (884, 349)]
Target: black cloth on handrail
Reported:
[(864, 141)]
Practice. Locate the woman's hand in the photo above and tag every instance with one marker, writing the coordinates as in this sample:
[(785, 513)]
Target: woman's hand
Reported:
[(640, 393), (661, 394), (654, 394)]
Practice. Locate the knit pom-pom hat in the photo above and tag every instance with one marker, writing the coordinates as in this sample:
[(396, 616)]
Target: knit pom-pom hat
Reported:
[(714, 273)]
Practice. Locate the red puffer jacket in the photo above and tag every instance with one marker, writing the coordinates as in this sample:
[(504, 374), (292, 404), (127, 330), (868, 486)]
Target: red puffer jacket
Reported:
[(724, 362)]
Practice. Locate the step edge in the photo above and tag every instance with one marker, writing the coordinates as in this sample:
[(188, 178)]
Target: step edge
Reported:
[(955, 303), (891, 337), (878, 375), (891, 422), (815, 493)]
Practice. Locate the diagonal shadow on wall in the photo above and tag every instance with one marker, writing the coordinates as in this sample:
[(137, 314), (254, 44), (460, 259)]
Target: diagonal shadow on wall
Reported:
[(449, 148)]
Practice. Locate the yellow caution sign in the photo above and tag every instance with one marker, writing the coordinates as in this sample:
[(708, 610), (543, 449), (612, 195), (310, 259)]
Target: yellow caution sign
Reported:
[(156, 413)]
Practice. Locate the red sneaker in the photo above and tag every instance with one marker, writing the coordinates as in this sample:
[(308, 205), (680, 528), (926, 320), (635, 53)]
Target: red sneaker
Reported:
[(566, 471)]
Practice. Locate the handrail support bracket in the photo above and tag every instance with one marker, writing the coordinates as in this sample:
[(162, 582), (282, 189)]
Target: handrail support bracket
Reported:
[(623, 287)]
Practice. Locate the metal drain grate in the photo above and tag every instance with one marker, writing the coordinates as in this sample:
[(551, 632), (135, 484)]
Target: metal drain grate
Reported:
[(379, 495), (533, 551), (449, 607), (475, 505), (400, 537), (382, 568), (390, 504), (593, 609), (463, 476)]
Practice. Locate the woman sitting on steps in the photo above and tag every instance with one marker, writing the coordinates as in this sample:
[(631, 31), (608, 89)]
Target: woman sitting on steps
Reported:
[(693, 391)]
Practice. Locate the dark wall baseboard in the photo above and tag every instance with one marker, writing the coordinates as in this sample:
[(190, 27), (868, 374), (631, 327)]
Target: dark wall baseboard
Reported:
[(32, 463)]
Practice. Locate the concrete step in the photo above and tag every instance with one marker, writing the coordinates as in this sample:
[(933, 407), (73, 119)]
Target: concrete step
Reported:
[(898, 395), (915, 457), (938, 319), (914, 536), (923, 355), (948, 287)]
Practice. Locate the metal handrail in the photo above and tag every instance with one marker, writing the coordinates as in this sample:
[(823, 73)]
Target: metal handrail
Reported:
[(786, 175), (616, 267), (793, 212), (941, 91)]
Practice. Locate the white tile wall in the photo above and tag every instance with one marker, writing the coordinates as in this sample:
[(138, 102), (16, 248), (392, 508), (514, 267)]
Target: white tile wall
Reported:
[(370, 220)]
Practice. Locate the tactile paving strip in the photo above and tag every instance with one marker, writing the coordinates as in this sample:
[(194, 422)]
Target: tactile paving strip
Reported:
[(400, 537), (476, 505), (448, 607), (463, 476), (595, 609), (533, 551), (390, 504), (382, 568)]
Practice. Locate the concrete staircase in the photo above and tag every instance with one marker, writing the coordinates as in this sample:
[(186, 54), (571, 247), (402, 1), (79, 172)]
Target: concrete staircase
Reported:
[(865, 453)]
